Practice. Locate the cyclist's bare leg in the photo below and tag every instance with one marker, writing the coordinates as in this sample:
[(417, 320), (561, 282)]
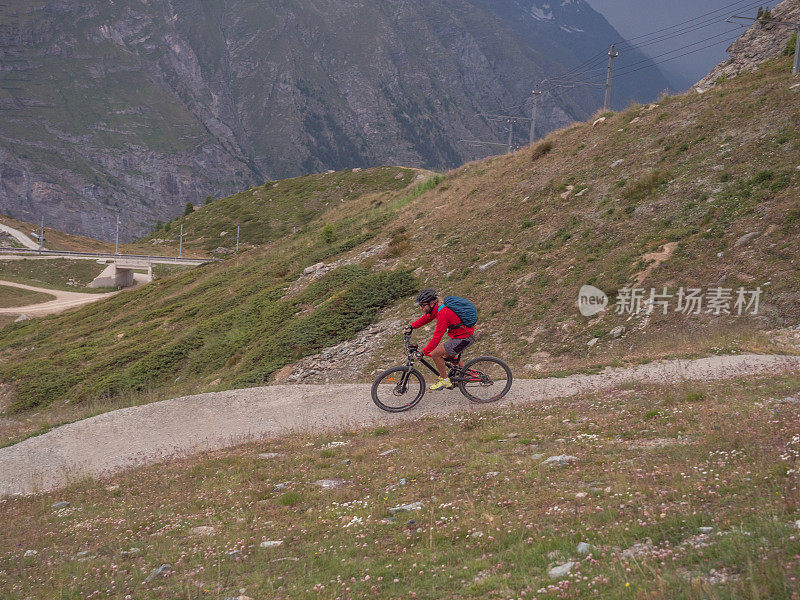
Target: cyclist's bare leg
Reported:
[(438, 356)]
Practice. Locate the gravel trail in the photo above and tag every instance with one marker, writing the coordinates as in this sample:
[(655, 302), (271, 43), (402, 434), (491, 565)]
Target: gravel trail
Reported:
[(126, 438)]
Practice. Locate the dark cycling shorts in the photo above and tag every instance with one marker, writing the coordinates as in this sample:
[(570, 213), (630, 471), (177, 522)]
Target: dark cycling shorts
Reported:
[(456, 347)]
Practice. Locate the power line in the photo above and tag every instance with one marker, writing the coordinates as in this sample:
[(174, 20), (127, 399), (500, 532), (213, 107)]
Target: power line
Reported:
[(599, 59), (719, 10)]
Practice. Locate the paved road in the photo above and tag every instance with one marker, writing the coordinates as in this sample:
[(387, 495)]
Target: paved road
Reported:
[(122, 439), (20, 237), (63, 301)]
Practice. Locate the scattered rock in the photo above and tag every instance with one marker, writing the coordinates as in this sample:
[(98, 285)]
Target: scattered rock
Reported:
[(560, 571), (203, 530), (584, 548), (635, 120), (561, 460), (797, 524), (234, 554), (221, 250), (795, 87), (161, 571), (593, 342), (267, 455), (580, 495), (60, 505), (271, 544), (29, 553), (746, 239), (239, 597), (491, 474), (399, 176), (537, 456), (22, 317), (488, 265), (131, 552), (638, 549), (617, 332), (617, 163), (313, 268), (482, 576), (357, 170), (388, 452), (599, 121), (476, 534), (714, 576), (705, 529), (406, 507), (328, 483), (223, 233)]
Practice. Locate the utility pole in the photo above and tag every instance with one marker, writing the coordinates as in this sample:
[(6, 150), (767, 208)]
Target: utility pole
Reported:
[(237, 239), (116, 243), (796, 67), (180, 244), (41, 236), (612, 54), (536, 93)]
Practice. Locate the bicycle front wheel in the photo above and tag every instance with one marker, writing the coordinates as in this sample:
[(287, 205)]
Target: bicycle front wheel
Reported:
[(486, 379), (398, 389)]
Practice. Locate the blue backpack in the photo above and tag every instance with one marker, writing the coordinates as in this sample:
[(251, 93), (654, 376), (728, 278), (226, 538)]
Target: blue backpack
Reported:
[(464, 309)]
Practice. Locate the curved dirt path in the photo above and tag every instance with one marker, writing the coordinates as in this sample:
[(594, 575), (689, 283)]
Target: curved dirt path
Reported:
[(64, 300), (119, 440)]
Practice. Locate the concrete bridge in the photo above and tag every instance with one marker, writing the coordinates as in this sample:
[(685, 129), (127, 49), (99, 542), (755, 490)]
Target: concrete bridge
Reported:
[(121, 269)]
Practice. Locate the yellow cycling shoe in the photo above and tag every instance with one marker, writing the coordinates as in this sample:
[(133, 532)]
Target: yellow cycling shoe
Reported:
[(442, 384)]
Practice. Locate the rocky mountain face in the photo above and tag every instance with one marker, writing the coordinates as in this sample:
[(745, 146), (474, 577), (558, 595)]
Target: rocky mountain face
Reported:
[(760, 42), (135, 107)]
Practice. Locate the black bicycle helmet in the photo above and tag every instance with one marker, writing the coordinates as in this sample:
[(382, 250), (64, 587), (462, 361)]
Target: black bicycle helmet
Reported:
[(426, 295)]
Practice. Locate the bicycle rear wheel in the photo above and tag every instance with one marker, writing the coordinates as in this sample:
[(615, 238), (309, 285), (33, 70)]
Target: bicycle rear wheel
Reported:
[(486, 379), (398, 389)]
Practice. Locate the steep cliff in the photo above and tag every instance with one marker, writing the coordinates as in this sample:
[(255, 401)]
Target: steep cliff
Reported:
[(137, 107), (760, 42)]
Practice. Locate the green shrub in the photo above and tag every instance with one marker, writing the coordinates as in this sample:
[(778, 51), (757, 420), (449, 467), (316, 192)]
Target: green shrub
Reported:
[(290, 498), (541, 149), (646, 186), (791, 45), (762, 177), (328, 233)]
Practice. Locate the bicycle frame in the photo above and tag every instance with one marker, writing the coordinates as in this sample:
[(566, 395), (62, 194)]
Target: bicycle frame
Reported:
[(456, 373)]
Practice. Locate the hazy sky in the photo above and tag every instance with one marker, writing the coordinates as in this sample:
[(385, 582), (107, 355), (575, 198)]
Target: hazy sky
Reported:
[(634, 18)]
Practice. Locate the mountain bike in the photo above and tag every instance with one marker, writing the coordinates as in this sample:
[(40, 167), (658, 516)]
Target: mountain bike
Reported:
[(482, 379)]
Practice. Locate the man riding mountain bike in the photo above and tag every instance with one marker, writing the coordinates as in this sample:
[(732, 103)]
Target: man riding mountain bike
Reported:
[(461, 336)]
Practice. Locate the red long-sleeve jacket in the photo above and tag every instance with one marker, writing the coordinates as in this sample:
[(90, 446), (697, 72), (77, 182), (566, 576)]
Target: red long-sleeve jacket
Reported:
[(446, 320)]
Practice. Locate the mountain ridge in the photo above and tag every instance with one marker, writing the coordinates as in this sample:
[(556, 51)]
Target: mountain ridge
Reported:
[(136, 109)]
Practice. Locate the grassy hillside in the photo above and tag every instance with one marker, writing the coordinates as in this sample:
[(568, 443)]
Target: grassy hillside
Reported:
[(13, 296), (679, 492), (58, 273), (274, 210), (58, 240), (711, 179)]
